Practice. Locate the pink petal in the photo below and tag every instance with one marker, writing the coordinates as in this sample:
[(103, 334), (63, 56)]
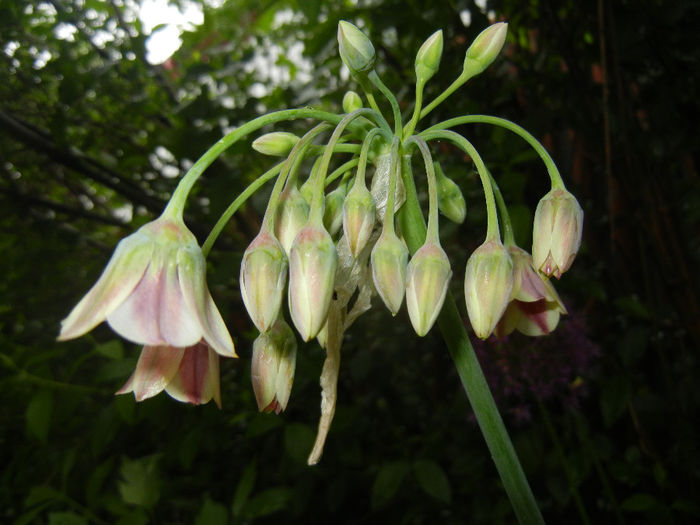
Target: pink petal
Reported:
[(508, 321), (178, 325), (156, 368), (538, 318), (123, 272), (197, 379)]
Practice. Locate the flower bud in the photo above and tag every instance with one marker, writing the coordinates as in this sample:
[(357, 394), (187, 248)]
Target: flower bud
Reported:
[(358, 217), (428, 57), (356, 50), (428, 276), (292, 214), (450, 199), (307, 189), (272, 367), (389, 259), (275, 144), (313, 261), (333, 212), (351, 102), (488, 283), (485, 48), (557, 230), (263, 276)]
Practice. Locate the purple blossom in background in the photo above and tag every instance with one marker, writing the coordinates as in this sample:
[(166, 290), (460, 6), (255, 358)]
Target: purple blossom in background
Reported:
[(555, 367)]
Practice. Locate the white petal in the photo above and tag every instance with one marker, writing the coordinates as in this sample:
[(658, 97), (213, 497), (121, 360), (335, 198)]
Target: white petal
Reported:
[(178, 324)]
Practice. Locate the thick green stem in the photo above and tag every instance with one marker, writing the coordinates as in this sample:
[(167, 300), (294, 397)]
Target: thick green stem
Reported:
[(554, 175), (469, 371)]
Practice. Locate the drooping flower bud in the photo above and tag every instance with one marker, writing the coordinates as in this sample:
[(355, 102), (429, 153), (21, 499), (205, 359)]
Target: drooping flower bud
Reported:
[(450, 199), (557, 230), (428, 57), (313, 261), (351, 102), (485, 48), (358, 216), (272, 367), (380, 186), (389, 260), (292, 214), (356, 50), (428, 276), (263, 276), (333, 212), (275, 144), (488, 283)]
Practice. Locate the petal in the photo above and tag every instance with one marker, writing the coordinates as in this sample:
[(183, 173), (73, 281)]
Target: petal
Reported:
[(538, 318), (191, 273), (508, 322), (156, 367), (532, 287), (123, 272), (178, 325), (197, 379), (137, 318)]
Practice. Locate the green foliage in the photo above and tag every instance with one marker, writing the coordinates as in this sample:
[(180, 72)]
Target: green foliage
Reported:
[(93, 139)]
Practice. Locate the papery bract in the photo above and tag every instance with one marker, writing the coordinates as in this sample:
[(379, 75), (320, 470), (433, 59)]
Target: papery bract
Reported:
[(272, 367), (427, 278), (263, 277), (189, 375), (556, 233), (313, 261), (154, 292), (488, 283)]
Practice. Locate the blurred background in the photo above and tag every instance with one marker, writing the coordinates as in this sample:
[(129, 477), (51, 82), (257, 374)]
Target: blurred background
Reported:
[(101, 112)]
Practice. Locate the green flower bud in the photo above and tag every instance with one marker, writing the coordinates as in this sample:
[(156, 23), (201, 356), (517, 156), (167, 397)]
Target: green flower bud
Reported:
[(351, 102), (272, 367), (488, 284), (292, 214), (450, 199), (557, 230), (428, 276), (358, 217), (307, 189), (263, 276), (428, 57), (389, 259), (313, 261), (356, 50), (333, 212), (485, 48), (275, 144)]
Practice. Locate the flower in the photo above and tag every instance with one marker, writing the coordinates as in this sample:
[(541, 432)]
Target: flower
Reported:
[(189, 375), (356, 50), (272, 367), (428, 276), (485, 48), (556, 234), (389, 259), (488, 283), (535, 307), (428, 56), (153, 292)]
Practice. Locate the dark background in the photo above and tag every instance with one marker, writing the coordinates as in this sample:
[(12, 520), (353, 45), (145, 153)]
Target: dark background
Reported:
[(603, 412)]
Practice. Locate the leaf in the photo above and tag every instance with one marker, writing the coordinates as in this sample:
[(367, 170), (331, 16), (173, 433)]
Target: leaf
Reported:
[(141, 481), (298, 440), (41, 494), (245, 487), (388, 481), (639, 502), (268, 502), (615, 394), (212, 513), (66, 518), (38, 415), (433, 480), (111, 349)]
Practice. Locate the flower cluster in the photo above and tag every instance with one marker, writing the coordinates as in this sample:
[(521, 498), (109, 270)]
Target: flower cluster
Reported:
[(330, 241)]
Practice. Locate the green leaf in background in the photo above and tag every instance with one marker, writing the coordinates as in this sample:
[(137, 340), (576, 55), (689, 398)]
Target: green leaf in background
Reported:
[(212, 513), (298, 440), (66, 518), (141, 481), (38, 415), (245, 487), (113, 349), (388, 481), (614, 397), (268, 502), (432, 479), (639, 502)]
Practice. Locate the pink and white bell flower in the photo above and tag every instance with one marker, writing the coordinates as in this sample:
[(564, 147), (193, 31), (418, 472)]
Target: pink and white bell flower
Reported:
[(189, 375), (153, 292)]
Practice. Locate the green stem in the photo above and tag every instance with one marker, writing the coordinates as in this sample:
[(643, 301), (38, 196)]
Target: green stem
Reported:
[(237, 203), (432, 233), (176, 204), (554, 175), (459, 81), (492, 232), (411, 126), (471, 376), (564, 463), (343, 168), (508, 237), (398, 126)]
